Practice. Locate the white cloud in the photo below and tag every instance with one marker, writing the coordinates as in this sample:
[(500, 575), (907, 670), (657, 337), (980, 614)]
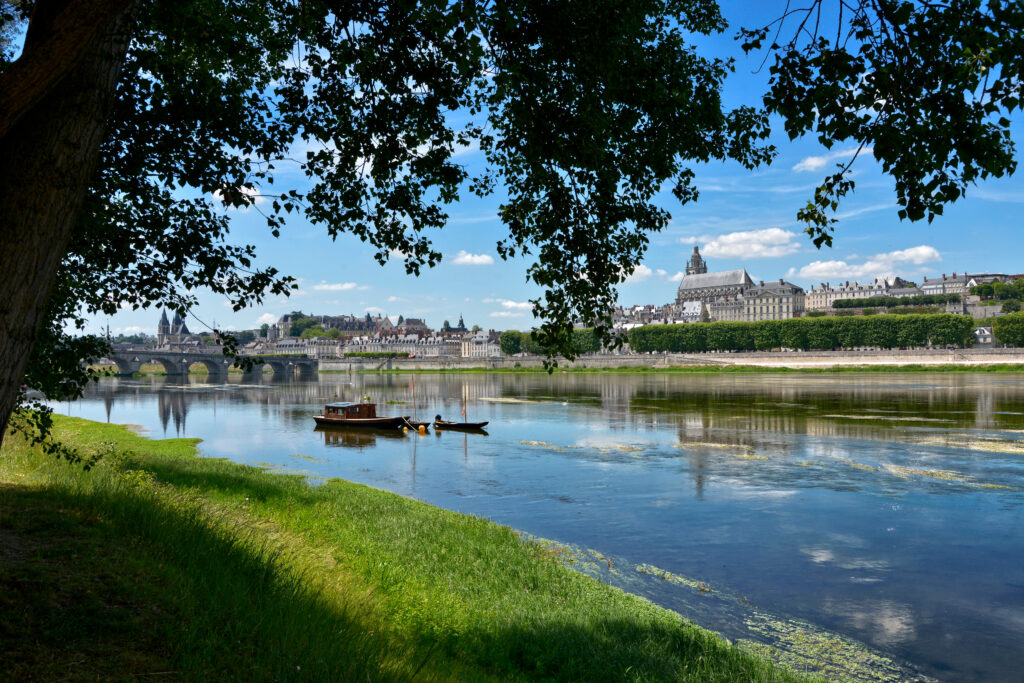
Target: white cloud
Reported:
[(998, 196), (879, 265), (393, 299), (639, 274), (506, 314), (843, 215), (339, 287), (268, 318), (677, 277), (748, 244), (508, 304), (374, 309), (464, 258), (816, 163), (133, 329)]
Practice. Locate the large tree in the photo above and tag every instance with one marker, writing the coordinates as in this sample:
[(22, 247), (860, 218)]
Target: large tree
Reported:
[(125, 124)]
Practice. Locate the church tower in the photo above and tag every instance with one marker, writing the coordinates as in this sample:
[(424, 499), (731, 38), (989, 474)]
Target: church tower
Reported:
[(163, 329), (697, 265)]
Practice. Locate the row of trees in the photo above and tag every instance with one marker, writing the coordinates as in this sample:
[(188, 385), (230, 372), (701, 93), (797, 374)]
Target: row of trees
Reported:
[(1000, 291), (584, 340), (894, 301), (885, 331), (1009, 329)]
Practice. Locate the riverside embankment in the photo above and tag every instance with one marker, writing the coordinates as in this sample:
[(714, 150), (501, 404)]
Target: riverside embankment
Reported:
[(156, 562), (896, 358)]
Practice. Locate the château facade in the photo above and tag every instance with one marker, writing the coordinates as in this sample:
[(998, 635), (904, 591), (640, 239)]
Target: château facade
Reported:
[(731, 295)]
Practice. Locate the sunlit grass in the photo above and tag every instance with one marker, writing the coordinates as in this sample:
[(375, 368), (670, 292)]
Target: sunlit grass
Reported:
[(199, 566)]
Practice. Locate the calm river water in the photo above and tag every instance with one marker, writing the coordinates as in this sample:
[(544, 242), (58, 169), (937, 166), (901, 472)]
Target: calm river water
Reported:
[(888, 509)]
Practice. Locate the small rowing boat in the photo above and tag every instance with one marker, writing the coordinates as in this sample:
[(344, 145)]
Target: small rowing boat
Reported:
[(458, 426), (357, 415)]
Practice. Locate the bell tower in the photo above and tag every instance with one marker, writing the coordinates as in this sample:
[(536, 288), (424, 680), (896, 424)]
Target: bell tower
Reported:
[(697, 265)]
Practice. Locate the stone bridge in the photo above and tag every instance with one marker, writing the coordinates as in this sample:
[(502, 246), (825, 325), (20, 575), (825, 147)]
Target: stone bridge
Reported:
[(130, 360)]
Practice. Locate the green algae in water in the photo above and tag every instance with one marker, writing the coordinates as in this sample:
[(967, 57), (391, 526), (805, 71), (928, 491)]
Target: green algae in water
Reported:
[(698, 586), (738, 450), (974, 443), (804, 648), (854, 463), (544, 444), (300, 456), (795, 645), (944, 475)]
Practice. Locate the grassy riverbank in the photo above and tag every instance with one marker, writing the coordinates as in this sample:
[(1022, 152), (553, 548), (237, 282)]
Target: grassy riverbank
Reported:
[(708, 370), (158, 562)]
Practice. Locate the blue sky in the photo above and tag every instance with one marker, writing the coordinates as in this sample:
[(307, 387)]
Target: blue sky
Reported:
[(743, 219)]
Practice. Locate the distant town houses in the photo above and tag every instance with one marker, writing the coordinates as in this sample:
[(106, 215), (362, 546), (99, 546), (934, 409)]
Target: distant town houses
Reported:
[(373, 335), (702, 296), (733, 296), (821, 296)]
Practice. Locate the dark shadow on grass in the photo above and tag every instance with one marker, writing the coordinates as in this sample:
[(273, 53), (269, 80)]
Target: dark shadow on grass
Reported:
[(209, 474), (614, 650), (175, 589)]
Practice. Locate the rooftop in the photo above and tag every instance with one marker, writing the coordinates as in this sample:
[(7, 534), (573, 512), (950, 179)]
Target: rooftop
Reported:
[(725, 278)]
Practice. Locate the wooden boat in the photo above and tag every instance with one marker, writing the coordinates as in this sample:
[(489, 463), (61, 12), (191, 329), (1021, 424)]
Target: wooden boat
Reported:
[(458, 426), (357, 415)]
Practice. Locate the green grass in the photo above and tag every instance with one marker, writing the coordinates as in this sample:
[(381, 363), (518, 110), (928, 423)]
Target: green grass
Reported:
[(718, 369), (158, 562)]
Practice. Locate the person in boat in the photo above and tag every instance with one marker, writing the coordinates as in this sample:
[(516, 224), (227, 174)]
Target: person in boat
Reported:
[(437, 418)]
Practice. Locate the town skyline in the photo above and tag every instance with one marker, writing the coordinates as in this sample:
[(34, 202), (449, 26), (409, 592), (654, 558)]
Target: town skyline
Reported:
[(742, 219)]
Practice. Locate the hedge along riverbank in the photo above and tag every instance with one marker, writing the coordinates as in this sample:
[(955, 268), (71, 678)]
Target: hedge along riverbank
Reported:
[(1009, 329), (819, 334)]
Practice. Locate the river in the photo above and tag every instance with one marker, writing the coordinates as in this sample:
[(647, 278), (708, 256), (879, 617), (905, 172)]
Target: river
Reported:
[(881, 508)]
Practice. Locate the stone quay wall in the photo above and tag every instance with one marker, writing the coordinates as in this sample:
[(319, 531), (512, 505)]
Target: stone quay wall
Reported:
[(794, 359)]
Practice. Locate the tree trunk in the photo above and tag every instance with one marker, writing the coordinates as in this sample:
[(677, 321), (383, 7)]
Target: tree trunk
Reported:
[(46, 161)]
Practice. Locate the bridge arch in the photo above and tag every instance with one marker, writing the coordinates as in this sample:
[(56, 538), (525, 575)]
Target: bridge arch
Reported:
[(126, 366), (216, 368), (172, 365)]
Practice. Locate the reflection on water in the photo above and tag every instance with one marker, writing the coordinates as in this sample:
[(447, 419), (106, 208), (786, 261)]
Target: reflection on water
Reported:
[(886, 508), (355, 437)]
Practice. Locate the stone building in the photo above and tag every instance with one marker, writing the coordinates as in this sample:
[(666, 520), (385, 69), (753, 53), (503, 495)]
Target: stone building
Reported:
[(820, 298), (727, 309), (348, 325), (779, 300), (700, 285), (481, 345), (175, 332), (953, 284)]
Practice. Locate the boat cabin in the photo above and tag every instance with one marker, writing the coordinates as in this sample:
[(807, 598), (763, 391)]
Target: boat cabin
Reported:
[(350, 410)]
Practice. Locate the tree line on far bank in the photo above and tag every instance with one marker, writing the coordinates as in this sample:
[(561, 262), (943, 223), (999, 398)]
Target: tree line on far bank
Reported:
[(895, 301), (884, 331), (818, 334), (513, 342)]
